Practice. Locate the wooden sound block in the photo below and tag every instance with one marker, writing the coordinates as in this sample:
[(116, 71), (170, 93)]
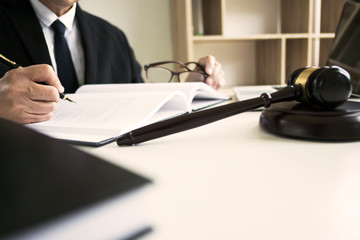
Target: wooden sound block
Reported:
[(298, 120)]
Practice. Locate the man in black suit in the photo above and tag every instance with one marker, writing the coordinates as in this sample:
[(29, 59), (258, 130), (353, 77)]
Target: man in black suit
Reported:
[(100, 51)]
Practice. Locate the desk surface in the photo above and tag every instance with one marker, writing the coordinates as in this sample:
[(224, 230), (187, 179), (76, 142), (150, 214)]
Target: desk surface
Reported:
[(232, 180)]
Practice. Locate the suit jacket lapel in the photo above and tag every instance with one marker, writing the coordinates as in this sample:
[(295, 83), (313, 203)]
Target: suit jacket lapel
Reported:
[(29, 29), (89, 43)]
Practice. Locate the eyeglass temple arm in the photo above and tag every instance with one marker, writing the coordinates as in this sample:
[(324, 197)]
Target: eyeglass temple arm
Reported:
[(147, 66)]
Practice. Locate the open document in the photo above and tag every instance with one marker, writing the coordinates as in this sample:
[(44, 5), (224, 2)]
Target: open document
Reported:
[(104, 111)]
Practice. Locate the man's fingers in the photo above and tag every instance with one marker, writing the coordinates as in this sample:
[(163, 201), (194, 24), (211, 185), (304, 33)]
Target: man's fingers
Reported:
[(32, 111), (39, 92), (43, 73), (26, 118), (214, 69), (218, 75), (24, 99), (39, 107), (37, 111), (209, 63), (26, 83)]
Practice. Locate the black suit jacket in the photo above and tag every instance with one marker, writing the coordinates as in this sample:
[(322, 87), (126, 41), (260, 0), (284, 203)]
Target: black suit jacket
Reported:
[(108, 55)]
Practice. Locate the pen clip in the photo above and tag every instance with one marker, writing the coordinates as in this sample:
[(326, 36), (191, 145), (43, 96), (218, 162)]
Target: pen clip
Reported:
[(7, 62)]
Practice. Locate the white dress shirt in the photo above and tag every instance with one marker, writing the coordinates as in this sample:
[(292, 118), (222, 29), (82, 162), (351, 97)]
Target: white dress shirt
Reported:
[(72, 35)]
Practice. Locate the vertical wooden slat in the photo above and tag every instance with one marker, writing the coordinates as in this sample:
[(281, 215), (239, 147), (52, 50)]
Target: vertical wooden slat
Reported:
[(181, 25), (330, 14), (294, 16), (268, 61)]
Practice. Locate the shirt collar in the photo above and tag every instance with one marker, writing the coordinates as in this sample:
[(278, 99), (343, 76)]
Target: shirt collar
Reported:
[(47, 17)]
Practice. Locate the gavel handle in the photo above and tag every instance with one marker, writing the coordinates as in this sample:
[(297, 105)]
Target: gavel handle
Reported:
[(200, 118)]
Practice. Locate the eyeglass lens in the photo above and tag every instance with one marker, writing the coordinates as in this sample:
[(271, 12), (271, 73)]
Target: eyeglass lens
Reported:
[(180, 74), (156, 74)]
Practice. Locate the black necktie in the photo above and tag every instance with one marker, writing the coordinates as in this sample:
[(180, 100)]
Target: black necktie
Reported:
[(65, 67)]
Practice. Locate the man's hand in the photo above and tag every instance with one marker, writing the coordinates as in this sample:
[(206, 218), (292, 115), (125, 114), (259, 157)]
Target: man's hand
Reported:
[(23, 99), (213, 69)]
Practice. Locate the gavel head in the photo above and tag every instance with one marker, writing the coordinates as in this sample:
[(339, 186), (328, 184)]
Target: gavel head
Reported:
[(325, 87)]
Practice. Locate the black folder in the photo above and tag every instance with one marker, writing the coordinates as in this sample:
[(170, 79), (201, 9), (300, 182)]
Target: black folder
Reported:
[(42, 179)]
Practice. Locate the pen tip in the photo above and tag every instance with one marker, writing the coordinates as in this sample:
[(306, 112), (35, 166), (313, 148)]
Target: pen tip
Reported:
[(64, 97)]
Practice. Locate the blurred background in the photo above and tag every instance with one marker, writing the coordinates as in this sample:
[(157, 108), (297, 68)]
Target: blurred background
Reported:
[(146, 23), (257, 42)]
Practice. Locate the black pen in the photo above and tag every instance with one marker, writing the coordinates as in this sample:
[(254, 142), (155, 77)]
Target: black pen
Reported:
[(7, 64)]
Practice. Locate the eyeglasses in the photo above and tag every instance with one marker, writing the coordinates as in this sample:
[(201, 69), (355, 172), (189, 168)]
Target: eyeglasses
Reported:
[(183, 72)]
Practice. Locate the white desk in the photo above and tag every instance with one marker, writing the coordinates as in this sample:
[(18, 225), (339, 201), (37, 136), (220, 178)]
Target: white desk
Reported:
[(231, 180)]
